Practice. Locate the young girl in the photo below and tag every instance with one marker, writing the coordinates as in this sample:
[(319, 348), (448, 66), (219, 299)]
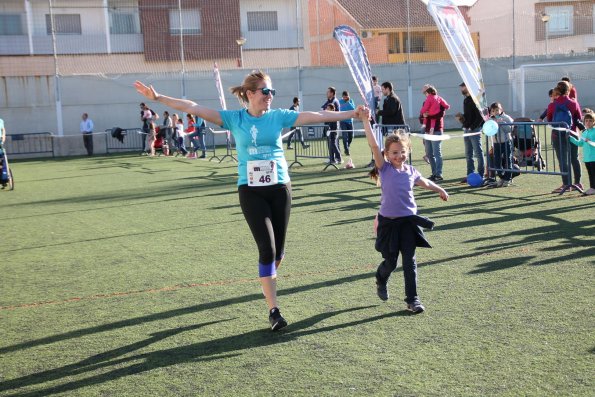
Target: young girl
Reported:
[(398, 223), (179, 126), (588, 149), (432, 106), (189, 131)]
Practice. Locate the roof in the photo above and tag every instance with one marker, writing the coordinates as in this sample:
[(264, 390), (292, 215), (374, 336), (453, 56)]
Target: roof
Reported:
[(387, 14)]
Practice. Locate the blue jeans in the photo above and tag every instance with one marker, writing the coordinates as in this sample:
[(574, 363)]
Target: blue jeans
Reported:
[(346, 134), (333, 147), (503, 158), (434, 153), (473, 149), (197, 139), (561, 147)]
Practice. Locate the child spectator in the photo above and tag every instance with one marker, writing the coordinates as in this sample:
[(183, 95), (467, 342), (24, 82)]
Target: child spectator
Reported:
[(189, 131), (399, 226), (585, 141), (432, 106), (503, 147), (179, 133)]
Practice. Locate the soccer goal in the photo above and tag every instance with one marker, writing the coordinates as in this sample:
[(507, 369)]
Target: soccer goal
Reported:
[(530, 83)]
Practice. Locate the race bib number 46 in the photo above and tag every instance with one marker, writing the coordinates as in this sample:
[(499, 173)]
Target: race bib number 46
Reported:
[(262, 173)]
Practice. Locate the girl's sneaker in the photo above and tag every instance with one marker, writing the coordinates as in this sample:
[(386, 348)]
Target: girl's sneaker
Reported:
[(416, 307)]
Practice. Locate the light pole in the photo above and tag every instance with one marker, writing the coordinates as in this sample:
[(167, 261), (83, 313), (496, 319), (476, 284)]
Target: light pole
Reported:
[(545, 18), (241, 41)]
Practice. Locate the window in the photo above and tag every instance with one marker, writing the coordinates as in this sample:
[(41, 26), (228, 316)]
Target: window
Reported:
[(190, 22), (11, 25), (560, 20), (123, 23), (260, 21), (65, 23), (417, 44)]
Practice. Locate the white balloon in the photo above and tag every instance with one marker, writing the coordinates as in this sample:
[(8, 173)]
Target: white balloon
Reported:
[(490, 128)]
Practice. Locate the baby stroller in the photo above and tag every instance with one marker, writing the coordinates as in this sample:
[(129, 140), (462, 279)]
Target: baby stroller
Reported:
[(526, 144), (160, 143), (6, 178)]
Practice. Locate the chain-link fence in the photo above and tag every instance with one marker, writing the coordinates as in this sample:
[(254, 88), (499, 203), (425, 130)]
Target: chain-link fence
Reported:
[(60, 58)]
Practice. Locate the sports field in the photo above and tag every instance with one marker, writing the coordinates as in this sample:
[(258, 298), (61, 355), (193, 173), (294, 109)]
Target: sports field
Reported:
[(125, 275)]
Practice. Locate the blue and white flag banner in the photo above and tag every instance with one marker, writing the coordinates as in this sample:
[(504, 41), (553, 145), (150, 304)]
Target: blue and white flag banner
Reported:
[(456, 37), (357, 60)]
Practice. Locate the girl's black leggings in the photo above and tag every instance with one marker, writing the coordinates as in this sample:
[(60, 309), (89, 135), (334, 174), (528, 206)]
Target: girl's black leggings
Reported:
[(266, 209)]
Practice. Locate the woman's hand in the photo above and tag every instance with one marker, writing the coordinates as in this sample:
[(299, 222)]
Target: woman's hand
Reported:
[(148, 92)]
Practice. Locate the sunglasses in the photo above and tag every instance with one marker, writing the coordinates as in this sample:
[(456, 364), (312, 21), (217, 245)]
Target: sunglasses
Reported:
[(266, 91)]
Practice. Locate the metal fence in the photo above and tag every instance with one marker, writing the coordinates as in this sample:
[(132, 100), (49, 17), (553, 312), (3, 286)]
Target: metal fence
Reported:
[(38, 143), (537, 148)]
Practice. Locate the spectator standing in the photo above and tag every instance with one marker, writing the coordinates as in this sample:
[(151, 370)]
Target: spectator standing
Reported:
[(433, 114), (2, 133), (331, 97), (86, 127), (197, 137), (565, 109), (377, 91), (472, 122), (392, 110), (297, 131), (572, 94), (168, 127), (346, 126), (331, 131)]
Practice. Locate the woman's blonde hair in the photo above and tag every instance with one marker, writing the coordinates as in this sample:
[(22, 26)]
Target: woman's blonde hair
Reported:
[(397, 136), (250, 83)]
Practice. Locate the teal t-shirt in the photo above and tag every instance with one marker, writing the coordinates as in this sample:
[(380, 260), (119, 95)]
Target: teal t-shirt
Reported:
[(259, 138)]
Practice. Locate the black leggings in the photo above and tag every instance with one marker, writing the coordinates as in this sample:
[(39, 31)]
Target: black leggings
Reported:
[(266, 209)]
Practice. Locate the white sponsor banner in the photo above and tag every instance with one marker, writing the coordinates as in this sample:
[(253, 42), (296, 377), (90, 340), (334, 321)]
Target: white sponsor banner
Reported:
[(456, 37)]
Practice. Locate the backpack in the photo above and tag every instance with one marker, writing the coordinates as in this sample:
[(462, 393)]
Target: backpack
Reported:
[(562, 113)]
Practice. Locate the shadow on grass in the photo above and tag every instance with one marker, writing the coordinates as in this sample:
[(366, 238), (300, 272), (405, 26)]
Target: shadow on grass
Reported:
[(217, 349), (177, 312)]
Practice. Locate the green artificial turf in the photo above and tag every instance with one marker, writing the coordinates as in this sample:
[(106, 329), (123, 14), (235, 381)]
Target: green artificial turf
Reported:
[(125, 275)]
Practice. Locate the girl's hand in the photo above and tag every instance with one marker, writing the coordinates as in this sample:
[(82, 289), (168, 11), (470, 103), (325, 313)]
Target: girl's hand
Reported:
[(443, 195), (362, 113), (148, 92)]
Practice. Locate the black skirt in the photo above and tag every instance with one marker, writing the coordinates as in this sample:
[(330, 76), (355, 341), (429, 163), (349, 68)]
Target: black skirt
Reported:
[(389, 230)]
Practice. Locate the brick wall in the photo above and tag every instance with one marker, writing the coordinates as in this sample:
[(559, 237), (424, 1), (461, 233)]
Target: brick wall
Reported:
[(217, 40)]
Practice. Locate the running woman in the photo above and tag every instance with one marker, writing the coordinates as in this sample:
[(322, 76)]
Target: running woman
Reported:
[(263, 180)]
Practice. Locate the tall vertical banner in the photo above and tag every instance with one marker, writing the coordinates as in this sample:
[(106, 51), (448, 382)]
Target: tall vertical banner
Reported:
[(456, 37), (217, 77), (357, 60)]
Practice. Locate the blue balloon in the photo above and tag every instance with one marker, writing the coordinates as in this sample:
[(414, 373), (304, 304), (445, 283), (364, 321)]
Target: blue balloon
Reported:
[(490, 128), (474, 179)]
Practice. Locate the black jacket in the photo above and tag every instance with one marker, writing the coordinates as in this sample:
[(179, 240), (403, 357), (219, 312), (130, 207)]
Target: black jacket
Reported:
[(472, 115), (389, 231), (392, 111)]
